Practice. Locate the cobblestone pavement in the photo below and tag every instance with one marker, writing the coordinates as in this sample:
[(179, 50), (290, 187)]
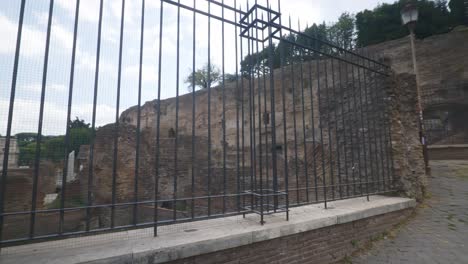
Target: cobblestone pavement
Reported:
[(439, 231)]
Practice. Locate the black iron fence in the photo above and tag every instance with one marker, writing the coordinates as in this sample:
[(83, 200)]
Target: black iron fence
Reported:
[(282, 118)]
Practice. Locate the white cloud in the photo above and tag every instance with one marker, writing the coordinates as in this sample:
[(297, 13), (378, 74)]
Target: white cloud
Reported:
[(87, 61), (89, 9), (149, 73), (32, 42), (62, 36), (33, 39), (26, 115), (53, 87), (132, 10)]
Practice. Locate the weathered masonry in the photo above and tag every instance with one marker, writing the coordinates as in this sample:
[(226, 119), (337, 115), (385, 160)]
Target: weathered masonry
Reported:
[(303, 140)]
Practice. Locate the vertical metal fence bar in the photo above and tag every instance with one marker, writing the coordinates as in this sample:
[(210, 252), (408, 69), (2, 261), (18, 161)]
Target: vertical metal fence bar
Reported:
[(209, 109), (273, 112), (93, 123), (37, 157), (176, 139), (10, 118), (355, 125), (345, 154), (387, 135), (67, 129), (116, 128), (237, 114), (384, 121), (243, 121), (252, 116), (361, 117), (312, 119), (224, 111), (377, 126), (259, 107), (265, 125), (192, 186), (350, 126), (375, 97), (293, 90), (138, 138), (285, 135), (324, 178), (158, 122), (364, 127), (306, 173), (329, 130), (337, 137), (376, 174), (251, 112), (365, 112)]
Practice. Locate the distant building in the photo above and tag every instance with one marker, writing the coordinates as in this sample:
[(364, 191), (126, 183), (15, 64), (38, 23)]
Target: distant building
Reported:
[(13, 155)]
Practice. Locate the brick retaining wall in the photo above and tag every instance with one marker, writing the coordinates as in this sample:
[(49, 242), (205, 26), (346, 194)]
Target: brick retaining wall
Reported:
[(448, 152), (326, 245)]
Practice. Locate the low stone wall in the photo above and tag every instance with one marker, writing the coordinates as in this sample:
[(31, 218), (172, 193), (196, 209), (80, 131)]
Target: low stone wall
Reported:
[(326, 245), (313, 234), (448, 152)]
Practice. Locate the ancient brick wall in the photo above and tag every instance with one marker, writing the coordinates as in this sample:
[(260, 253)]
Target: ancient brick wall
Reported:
[(409, 168)]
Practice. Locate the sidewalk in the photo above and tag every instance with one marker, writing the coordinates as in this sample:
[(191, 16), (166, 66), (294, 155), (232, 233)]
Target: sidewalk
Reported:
[(439, 232)]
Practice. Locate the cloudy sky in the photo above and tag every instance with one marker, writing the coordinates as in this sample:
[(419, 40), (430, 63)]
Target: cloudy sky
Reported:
[(26, 110)]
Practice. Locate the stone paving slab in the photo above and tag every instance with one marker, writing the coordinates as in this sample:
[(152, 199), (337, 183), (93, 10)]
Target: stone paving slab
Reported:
[(439, 231)]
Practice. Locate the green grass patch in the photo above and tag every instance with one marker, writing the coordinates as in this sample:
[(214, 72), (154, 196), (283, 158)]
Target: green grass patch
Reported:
[(73, 202)]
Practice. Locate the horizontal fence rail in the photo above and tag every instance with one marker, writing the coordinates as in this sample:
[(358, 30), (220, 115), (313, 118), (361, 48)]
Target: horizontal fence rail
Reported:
[(155, 112)]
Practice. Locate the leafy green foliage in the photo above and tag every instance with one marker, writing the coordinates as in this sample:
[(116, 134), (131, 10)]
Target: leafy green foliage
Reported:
[(384, 22), (366, 28), (259, 63), (342, 32), (459, 12), (53, 148), (204, 77), (79, 123)]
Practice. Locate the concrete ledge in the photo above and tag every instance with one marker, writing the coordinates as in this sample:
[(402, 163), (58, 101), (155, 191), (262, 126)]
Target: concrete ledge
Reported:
[(191, 239), (447, 146)]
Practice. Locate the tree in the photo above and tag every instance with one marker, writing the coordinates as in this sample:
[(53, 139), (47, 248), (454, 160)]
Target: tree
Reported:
[(256, 64), (342, 32), (384, 22), (24, 139), (459, 12), (228, 77), (53, 147), (204, 77), (79, 123), (79, 136)]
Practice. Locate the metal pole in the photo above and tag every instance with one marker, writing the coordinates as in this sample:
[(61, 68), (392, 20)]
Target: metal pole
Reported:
[(418, 89), (3, 178)]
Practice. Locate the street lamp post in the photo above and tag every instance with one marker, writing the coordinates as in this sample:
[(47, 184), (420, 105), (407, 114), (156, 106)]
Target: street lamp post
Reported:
[(409, 17)]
